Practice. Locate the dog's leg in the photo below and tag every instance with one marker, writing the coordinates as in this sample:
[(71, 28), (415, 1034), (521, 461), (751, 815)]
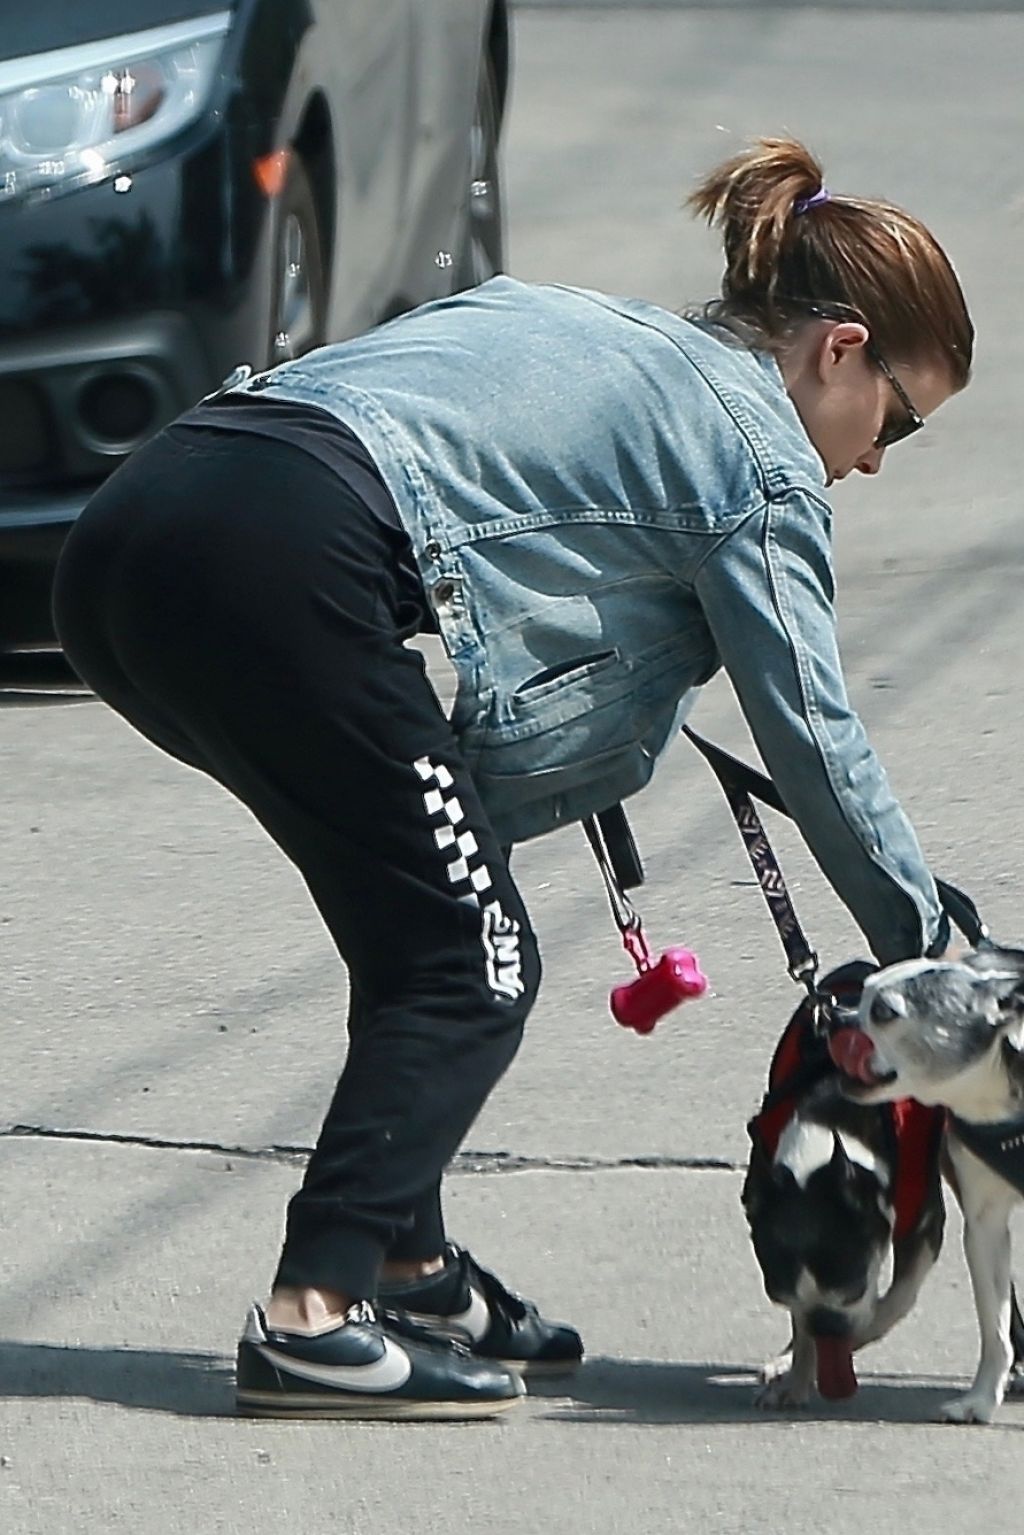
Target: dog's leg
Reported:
[(1015, 1386), (777, 1365), (908, 1276), (987, 1246), (792, 1387)]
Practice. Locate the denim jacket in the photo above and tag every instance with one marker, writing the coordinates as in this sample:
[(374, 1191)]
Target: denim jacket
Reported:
[(607, 504)]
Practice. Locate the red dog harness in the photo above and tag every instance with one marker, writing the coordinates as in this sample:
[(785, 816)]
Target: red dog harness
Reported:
[(801, 1060)]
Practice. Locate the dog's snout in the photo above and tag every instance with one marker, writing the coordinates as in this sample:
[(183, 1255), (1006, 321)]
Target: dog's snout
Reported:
[(826, 1323)]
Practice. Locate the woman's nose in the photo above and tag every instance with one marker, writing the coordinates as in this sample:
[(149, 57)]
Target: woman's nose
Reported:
[(870, 462)]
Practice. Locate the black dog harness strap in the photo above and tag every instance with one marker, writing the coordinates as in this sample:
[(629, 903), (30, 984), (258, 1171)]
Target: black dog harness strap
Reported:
[(1000, 1146)]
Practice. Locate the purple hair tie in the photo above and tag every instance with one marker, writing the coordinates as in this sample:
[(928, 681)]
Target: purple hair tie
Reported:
[(803, 204)]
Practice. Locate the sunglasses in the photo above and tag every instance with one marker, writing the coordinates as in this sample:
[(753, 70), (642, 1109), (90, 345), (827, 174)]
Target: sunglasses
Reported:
[(910, 420)]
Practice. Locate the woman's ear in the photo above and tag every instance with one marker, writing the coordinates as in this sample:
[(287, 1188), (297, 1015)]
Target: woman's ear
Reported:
[(840, 342)]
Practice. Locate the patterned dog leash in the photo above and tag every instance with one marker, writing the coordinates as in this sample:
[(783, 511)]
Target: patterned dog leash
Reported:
[(741, 784), (614, 847)]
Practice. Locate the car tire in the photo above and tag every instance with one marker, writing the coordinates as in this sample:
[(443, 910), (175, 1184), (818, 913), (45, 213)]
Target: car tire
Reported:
[(483, 245), (299, 291)]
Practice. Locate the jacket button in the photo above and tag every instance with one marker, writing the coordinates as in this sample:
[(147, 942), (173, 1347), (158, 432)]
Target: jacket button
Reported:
[(432, 550), (444, 590)]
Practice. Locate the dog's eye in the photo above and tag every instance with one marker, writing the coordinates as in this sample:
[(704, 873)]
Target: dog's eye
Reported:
[(884, 1012)]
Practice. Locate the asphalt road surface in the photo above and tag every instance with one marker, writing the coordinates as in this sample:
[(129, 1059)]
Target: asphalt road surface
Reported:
[(173, 1010)]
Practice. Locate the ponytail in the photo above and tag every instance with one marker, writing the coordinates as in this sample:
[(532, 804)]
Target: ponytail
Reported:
[(790, 243)]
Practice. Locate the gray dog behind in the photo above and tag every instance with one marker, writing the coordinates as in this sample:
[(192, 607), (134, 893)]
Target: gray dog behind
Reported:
[(952, 1034)]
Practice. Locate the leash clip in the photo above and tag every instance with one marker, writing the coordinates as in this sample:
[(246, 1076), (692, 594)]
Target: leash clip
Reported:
[(634, 941), (660, 984), (805, 973)]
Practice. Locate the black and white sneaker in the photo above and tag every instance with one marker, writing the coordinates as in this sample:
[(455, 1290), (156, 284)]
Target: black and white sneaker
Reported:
[(366, 1366), (469, 1304)]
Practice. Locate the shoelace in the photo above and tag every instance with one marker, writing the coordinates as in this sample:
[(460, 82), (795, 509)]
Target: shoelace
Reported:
[(509, 1305)]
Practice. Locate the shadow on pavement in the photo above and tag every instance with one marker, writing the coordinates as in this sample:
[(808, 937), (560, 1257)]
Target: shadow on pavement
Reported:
[(38, 677), (647, 1391), (152, 1380), (612, 1391)]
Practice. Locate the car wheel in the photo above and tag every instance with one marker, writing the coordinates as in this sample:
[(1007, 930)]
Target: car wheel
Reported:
[(483, 246), (299, 291)]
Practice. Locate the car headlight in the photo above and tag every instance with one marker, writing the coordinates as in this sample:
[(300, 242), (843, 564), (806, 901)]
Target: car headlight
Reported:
[(73, 116)]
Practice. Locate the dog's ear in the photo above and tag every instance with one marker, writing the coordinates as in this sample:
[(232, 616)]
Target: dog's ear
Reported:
[(856, 1187), (1001, 974), (749, 1192), (764, 1178), (993, 961), (758, 1173), (840, 1163)]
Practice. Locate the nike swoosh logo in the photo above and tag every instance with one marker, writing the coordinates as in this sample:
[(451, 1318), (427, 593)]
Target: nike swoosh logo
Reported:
[(475, 1321), (387, 1373)]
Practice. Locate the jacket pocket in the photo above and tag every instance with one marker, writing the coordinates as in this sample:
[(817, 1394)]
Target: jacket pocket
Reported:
[(575, 673), (560, 726), (595, 717)]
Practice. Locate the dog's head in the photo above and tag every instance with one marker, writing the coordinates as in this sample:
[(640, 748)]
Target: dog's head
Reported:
[(939, 1031), (821, 1225)]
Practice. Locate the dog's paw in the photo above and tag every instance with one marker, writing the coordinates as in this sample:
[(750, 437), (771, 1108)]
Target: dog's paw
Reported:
[(773, 1368), (972, 1408), (1015, 1384), (781, 1392)]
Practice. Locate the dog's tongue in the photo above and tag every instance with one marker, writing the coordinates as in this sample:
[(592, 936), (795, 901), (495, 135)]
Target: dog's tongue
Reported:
[(851, 1050), (836, 1379)]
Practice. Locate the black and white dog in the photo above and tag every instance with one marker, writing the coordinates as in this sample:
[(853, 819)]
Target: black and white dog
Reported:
[(837, 1194), (952, 1034)]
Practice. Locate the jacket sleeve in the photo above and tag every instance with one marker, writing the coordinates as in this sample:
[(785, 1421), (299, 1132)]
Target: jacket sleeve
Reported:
[(767, 590)]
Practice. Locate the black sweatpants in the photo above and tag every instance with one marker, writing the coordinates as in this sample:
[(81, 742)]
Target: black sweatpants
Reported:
[(238, 603)]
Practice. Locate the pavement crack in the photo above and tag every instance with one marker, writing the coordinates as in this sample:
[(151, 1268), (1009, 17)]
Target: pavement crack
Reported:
[(271, 1153), (465, 1162)]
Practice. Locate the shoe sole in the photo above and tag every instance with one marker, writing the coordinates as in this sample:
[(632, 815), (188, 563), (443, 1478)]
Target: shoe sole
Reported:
[(539, 1366), (274, 1404)]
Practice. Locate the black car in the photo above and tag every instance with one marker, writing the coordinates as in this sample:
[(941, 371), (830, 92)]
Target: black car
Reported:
[(187, 185)]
